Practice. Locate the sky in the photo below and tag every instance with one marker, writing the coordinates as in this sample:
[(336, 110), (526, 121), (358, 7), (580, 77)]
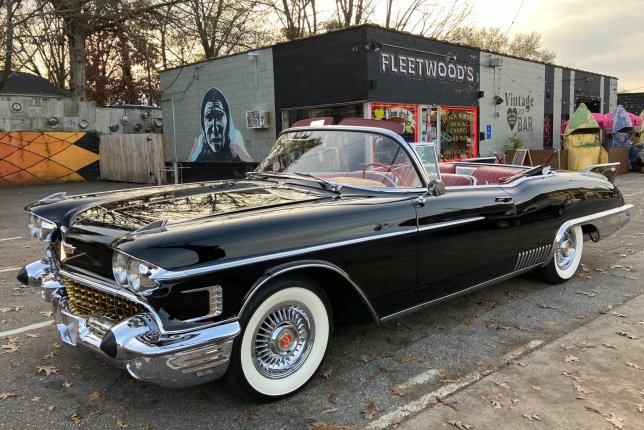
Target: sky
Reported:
[(600, 36), (604, 36)]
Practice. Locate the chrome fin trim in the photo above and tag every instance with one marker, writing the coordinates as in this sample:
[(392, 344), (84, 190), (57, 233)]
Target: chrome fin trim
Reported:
[(307, 265), (170, 275), (532, 257)]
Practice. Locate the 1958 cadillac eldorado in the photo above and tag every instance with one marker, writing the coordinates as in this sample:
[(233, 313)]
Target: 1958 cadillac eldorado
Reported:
[(182, 284)]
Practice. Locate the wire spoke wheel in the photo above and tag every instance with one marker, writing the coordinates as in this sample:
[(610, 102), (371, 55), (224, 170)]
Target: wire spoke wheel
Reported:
[(285, 336), (565, 252), (284, 340)]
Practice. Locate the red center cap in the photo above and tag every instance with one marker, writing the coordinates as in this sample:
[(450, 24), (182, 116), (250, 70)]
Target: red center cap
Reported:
[(285, 340)]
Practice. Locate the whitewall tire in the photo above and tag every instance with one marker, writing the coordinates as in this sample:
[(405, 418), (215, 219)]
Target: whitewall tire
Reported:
[(567, 257), (284, 339)]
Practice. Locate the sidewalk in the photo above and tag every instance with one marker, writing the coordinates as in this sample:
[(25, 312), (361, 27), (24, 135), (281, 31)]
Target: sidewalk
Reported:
[(592, 378)]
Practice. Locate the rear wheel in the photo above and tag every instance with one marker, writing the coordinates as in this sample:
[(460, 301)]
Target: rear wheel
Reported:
[(566, 259), (284, 338)]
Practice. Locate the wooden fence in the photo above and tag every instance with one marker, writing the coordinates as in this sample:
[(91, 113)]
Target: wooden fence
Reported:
[(132, 157)]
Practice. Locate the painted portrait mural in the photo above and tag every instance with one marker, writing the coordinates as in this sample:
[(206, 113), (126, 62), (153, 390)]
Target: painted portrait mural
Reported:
[(219, 140)]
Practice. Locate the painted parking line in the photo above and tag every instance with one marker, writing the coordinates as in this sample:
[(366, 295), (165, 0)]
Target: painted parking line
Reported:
[(413, 407), (26, 328), (9, 269), (11, 238)]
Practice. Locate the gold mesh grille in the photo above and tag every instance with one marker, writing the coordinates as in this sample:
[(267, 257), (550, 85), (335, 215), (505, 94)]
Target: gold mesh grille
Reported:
[(85, 301)]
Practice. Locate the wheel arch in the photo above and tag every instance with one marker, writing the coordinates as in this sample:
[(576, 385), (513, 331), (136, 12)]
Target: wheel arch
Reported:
[(344, 294)]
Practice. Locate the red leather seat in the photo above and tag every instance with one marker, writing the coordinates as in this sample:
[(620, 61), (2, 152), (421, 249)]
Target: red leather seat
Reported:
[(494, 174), (454, 180), (447, 167)]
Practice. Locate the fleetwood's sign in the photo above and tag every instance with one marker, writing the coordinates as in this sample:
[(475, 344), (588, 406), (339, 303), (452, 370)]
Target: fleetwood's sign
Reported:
[(424, 68)]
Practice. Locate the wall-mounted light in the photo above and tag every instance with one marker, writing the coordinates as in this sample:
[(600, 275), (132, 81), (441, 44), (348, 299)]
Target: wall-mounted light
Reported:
[(498, 100), (372, 45), (252, 55)]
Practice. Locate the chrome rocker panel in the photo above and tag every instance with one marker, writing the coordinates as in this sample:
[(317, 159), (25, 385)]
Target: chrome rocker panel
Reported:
[(136, 344)]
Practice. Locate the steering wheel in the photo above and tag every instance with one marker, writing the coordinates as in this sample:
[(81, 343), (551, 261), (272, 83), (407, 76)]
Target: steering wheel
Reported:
[(380, 167)]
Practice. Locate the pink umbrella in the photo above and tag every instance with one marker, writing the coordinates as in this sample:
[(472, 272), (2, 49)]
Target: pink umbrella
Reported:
[(636, 120), (604, 120)]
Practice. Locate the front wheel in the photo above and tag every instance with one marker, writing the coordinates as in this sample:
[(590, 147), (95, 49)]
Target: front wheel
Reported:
[(566, 259), (284, 339)]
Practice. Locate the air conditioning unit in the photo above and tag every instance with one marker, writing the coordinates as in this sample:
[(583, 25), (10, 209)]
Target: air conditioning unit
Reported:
[(258, 119)]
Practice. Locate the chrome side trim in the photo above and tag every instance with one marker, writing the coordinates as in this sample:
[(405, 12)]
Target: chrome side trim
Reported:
[(587, 218), (169, 275), (608, 223), (451, 223), (532, 257), (323, 265), (456, 294)]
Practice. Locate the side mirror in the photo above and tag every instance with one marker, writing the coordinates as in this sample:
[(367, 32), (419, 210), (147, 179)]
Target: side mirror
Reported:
[(436, 187)]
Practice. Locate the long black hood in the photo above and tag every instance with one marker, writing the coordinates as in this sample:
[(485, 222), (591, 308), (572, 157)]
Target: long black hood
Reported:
[(98, 223)]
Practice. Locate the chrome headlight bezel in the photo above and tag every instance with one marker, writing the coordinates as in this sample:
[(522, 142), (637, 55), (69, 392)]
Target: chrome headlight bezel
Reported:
[(133, 273), (41, 228)]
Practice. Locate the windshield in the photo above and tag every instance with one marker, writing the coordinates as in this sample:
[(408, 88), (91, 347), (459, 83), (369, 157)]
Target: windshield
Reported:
[(429, 157), (345, 157)]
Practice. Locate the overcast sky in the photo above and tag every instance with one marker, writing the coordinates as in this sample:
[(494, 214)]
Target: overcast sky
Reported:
[(600, 36)]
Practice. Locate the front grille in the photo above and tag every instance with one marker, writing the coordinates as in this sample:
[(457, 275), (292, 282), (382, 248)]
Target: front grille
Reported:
[(85, 301)]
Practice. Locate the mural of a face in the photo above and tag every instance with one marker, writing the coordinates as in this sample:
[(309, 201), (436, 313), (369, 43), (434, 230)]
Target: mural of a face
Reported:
[(215, 124), (219, 140)]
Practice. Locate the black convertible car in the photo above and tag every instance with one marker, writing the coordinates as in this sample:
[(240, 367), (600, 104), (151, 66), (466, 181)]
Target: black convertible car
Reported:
[(181, 284)]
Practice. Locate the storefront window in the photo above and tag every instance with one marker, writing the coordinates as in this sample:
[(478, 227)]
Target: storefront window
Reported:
[(336, 112), (458, 131), (404, 114)]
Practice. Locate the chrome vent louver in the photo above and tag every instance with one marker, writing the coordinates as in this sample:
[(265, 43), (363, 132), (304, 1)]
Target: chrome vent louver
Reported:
[(532, 257), (85, 301)]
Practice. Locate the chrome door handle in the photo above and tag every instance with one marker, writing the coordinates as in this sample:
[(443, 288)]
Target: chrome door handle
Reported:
[(503, 199)]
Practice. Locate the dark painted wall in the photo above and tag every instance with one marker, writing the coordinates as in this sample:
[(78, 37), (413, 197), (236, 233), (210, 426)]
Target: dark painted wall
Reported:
[(326, 69), (565, 93), (632, 102), (587, 87), (549, 88), (395, 86)]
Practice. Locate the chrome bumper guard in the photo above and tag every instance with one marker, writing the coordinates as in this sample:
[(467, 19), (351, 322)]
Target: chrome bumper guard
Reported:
[(136, 344)]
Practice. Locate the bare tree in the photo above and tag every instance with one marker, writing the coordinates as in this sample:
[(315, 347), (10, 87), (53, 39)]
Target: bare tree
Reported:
[(42, 48), (14, 14), (430, 19), (524, 45), (82, 18), (223, 26), (298, 17)]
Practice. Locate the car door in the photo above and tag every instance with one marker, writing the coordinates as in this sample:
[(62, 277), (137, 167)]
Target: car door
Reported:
[(466, 237)]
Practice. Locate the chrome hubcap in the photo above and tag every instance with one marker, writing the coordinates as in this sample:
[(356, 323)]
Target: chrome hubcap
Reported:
[(283, 340), (565, 253)]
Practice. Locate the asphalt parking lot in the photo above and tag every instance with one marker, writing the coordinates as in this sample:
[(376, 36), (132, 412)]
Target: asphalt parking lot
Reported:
[(369, 372)]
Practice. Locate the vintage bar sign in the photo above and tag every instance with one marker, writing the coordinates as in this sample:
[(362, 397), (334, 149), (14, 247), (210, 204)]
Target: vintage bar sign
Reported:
[(424, 68)]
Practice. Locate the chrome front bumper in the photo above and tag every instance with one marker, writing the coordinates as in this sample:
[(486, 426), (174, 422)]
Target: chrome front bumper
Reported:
[(177, 359)]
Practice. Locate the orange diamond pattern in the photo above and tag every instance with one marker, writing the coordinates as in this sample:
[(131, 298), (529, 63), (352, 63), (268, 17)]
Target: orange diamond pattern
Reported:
[(37, 158)]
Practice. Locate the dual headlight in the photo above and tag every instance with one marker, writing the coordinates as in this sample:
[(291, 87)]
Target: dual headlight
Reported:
[(132, 272), (41, 228)]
